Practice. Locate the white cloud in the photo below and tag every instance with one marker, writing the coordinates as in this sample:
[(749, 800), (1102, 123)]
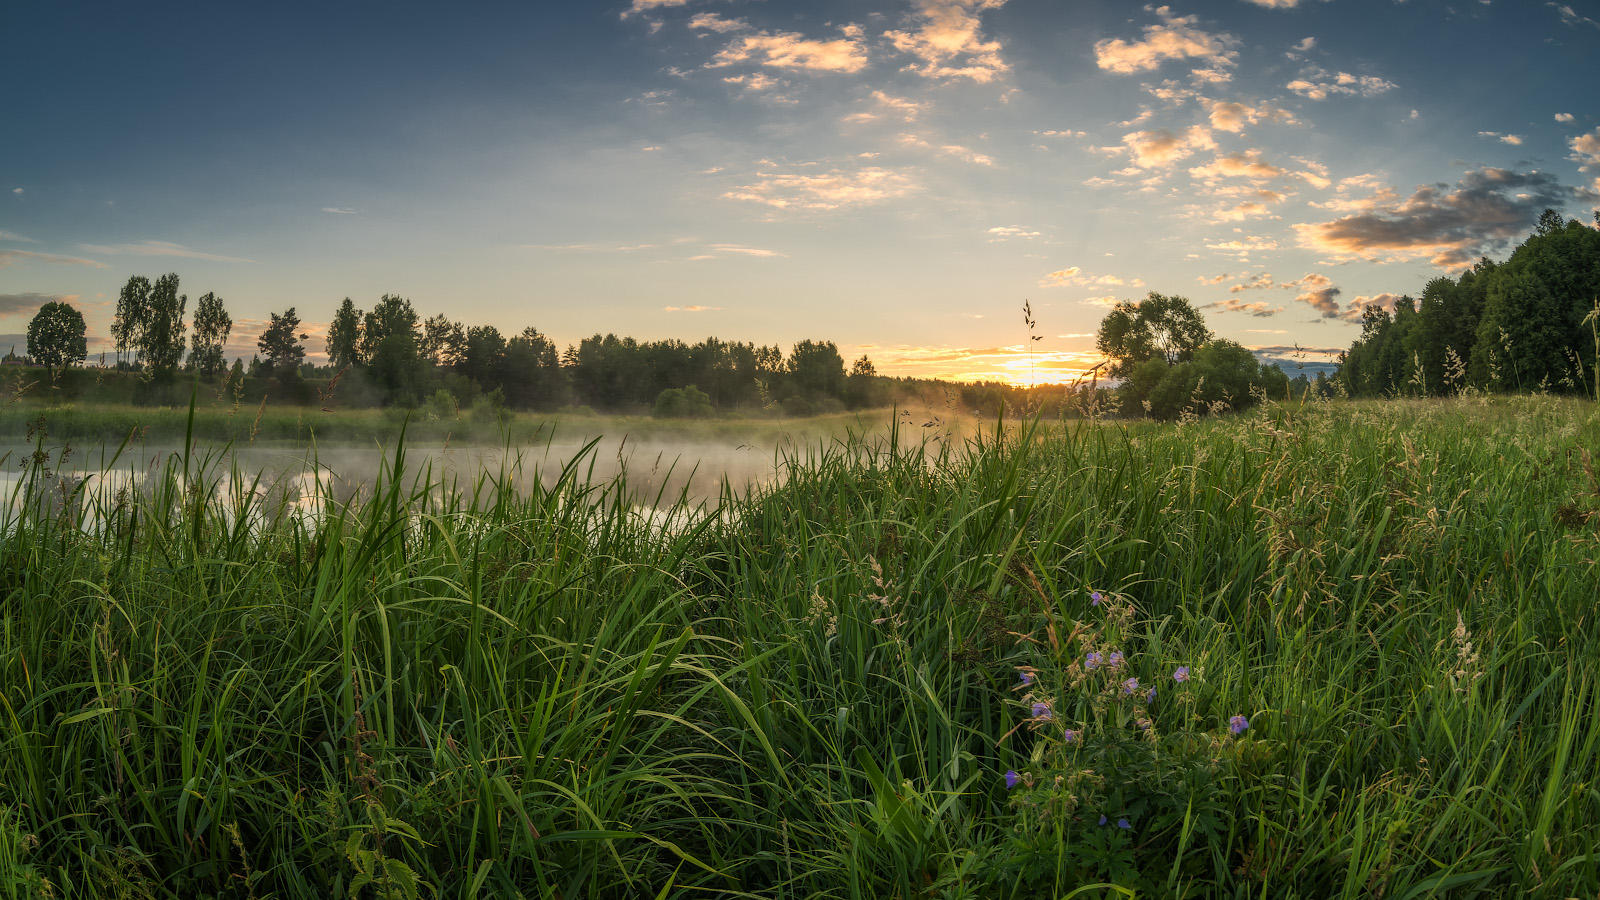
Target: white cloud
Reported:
[(791, 50), (948, 41), (1075, 276), (160, 248), (340, 210), (1564, 117), (1177, 37), (1277, 4), (1159, 148), (640, 6), (1244, 164), (907, 109), (1003, 232), (710, 21), (1320, 84), (1568, 17), (7, 257), (1306, 44), (1586, 148), (824, 191), (1228, 115)]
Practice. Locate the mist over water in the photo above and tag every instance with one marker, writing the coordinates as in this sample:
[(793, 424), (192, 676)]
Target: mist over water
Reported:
[(656, 469)]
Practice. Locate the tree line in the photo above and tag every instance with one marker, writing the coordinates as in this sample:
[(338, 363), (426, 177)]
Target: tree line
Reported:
[(1529, 323), (389, 355)]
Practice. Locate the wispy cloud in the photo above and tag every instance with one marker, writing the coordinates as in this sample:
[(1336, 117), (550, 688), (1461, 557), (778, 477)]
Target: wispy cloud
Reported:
[(1512, 139), (1176, 37), (719, 251), (1075, 276), (1006, 232), (710, 21), (160, 248), (640, 6), (1569, 17), (7, 257), (1242, 164), (825, 190), (1260, 309), (1486, 209), (14, 304), (15, 238), (690, 308), (948, 41), (1229, 115), (1161, 148), (792, 50), (1586, 148), (1319, 84), (341, 210)]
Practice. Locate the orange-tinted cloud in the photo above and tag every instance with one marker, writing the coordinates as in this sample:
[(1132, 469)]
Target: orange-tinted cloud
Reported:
[(948, 41), (1176, 37)]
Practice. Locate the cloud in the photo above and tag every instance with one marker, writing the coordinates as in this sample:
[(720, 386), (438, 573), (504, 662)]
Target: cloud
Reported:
[(1564, 117), (15, 304), (1073, 275), (1245, 164), (791, 50), (1323, 300), (908, 110), (1215, 279), (1306, 44), (1176, 37), (1159, 148), (718, 250), (1586, 148), (1256, 282), (1568, 17), (1504, 138), (1260, 309), (689, 308), (1485, 210), (16, 190), (757, 82), (1003, 232), (1385, 301), (160, 248), (824, 191), (341, 210), (640, 6), (594, 248), (948, 42), (7, 257), (1243, 246), (15, 238), (1277, 4), (710, 21), (1228, 115), (1320, 84)]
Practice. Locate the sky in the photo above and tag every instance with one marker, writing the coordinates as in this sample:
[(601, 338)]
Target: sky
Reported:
[(896, 176)]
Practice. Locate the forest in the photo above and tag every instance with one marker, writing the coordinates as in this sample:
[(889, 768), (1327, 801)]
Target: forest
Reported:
[(1529, 323)]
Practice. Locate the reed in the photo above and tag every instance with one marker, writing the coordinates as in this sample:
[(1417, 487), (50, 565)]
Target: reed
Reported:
[(498, 686)]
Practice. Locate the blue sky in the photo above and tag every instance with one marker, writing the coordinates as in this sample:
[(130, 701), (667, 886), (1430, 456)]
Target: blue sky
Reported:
[(895, 175)]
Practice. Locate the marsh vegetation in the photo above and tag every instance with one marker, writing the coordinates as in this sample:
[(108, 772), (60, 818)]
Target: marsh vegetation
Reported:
[(1320, 649)]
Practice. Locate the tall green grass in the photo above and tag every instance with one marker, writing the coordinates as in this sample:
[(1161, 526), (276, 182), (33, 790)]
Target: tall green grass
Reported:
[(465, 689)]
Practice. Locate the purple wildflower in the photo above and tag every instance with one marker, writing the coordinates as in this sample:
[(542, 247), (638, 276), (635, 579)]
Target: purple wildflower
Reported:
[(1238, 724), (1131, 685), (1150, 697), (1181, 675), (1069, 736), (1027, 677), (1012, 778), (1092, 661), (1095, 598), (1042, 711), (1123, 823), (1102, 820), (1115, 660)]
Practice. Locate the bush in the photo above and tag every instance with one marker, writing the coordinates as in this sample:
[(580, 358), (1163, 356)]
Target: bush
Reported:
[(683, 403)]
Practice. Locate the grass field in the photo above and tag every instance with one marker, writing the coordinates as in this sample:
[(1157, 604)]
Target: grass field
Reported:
[(1331, 650)]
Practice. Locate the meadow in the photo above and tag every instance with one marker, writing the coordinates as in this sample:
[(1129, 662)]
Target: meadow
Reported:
[(1313, 650)]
